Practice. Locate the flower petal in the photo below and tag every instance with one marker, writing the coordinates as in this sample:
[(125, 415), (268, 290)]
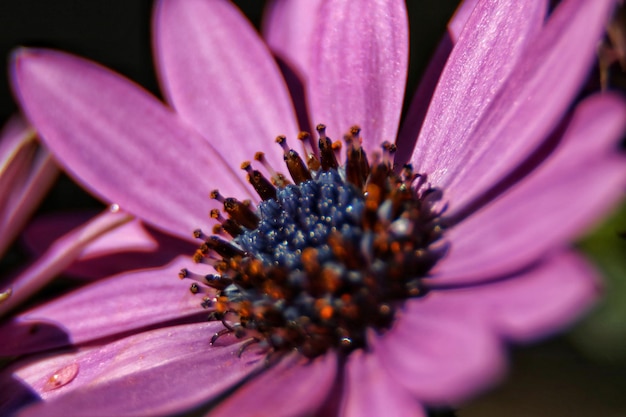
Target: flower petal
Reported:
[(295, 387), (221, 78), (371, 392), (359, 67), (109, 307), (460, 18), (423, 95), (44, 230), (159, 372), (537, 302), (15, 135), (58, 257), (130, 246), (487, 52), (26, 174), (530, 105), (579, 183), (120, 142), (288, 29), (439, 351)]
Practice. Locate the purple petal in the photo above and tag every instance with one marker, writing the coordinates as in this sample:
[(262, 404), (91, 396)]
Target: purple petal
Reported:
[(160, 372), (130, 246), (109, 307), (295, 387), (537, 302), (423, 95), (460, 18), (488, 50), (288, 28), (575, 187), (26, 174), (44, 230), (120, 142), (371, 392), (15, 134), (221, 78), (526, 110), (359, 67), (58, 257), (441, 352)]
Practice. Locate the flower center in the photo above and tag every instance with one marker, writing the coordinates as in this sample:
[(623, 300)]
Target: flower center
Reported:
[(322, 259)]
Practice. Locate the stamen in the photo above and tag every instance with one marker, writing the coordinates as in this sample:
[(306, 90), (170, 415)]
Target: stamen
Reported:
[(357, 166), (199, 234), (278, 179), (215, 195), (240, 213), (229, 225), (223, 248), (328, 159), (298, 171), (261, 185), (389, 153), (311, 159)]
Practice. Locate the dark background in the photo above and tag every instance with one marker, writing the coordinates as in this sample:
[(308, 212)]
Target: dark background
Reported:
[(553, 378)]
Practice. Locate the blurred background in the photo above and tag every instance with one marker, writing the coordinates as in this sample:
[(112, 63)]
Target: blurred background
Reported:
[(579, 373)]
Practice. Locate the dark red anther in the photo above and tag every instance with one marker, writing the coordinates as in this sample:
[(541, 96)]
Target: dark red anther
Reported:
[(262, 185), (354, 167), (312, 162), (232, 228), (379, 175), (298, 171), (278, 179), (222, 247), (327, 153), (389, 152), (241, 213), (219, 282)]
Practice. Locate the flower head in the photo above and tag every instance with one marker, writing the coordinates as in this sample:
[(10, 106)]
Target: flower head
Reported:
[(356, 288)]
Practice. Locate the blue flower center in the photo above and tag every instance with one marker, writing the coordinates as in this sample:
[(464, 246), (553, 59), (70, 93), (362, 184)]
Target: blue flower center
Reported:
[(303, 216), (321, 260)]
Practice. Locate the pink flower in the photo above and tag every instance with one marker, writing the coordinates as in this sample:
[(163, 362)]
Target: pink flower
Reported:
[(520, 171)]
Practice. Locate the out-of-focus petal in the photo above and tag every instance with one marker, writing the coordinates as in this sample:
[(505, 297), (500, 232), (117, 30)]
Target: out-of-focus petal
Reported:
[(487, 52), (58, 257), (537, 302), (26, 174), (528, 107), (371, 392), (288, 28), (439, 351), (359, 67), (44, 230), (130, 246), (159, 372), (294, 387), (579, 183), (15, 134), (129, 301), (221, 78), (120, 142)]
